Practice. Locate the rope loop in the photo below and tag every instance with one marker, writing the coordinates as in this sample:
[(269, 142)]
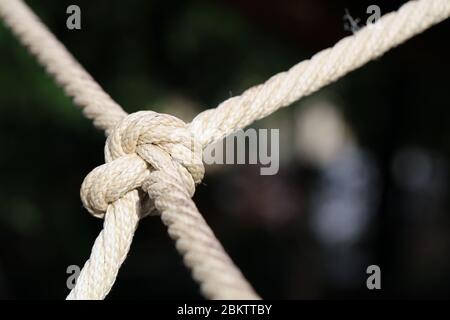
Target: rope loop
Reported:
[(140, 145)]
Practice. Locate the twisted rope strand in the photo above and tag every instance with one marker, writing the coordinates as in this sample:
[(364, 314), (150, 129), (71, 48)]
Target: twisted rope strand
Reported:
[(179, 214), (58, 62)]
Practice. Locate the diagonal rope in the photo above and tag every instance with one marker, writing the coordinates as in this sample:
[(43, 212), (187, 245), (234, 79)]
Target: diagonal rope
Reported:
[(153, 166), (218, 276), (323, 68), (67, 72)]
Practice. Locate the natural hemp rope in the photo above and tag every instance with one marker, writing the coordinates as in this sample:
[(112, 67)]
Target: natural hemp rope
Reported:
[(153, 161), (156, 153)]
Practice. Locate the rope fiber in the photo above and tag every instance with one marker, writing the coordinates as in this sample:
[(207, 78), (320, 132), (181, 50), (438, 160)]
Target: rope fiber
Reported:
[(154, 161)]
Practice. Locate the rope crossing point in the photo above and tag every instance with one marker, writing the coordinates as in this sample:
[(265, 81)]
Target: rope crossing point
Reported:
[(159, 155), (153, 161)]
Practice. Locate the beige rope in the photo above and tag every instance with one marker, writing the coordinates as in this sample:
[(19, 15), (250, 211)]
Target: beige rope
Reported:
[(58, 62), (156, 153), (159, 155), (323, 68), (211, 267)]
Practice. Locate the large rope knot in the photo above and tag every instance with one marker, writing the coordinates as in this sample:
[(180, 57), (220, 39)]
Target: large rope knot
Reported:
[(144, 147)]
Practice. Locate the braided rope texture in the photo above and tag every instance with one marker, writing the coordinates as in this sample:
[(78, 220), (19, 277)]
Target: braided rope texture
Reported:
[(153, 161), (115, 195), (324, 67)]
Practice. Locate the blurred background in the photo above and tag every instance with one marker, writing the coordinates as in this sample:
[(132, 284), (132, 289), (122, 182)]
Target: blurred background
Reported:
[(364, 162)]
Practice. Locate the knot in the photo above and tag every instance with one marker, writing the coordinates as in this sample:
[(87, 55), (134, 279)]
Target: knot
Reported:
[(141, 145)]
